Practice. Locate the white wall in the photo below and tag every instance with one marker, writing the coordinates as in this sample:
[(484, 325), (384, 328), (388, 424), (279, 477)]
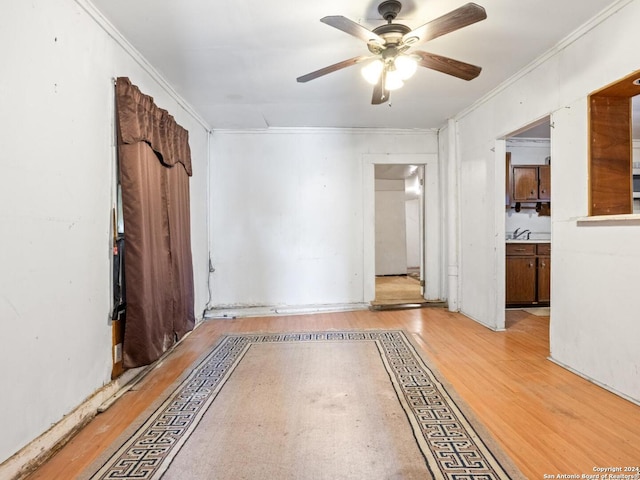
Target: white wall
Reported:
[(594, 280), (391, 228), (56, 184), (288, 214)]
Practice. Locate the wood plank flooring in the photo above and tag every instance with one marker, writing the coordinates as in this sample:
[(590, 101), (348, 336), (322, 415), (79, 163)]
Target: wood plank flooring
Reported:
[(397, 289), (547, 419)]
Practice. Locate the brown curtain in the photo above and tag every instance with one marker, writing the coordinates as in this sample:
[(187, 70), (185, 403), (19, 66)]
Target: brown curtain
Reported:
[(155, 165)]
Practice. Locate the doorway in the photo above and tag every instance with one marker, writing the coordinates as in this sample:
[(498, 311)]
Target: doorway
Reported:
[(431, 228), (528, 222), (399, 239)]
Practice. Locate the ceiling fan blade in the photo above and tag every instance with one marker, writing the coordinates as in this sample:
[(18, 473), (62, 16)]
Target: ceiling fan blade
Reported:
[(352, 28), (380, 94), (330, 69), (447, 65), (454, 20)]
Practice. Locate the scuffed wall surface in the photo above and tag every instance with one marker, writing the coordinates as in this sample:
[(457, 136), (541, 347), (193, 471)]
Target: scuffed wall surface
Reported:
[(56, 188)]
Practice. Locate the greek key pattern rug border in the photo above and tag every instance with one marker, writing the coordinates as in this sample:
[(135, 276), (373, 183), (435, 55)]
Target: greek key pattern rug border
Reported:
[(451, 447)]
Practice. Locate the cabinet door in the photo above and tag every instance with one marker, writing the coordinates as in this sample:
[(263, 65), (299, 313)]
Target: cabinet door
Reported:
[(544, 185), (525, 184), (544, 279), (521, 280)]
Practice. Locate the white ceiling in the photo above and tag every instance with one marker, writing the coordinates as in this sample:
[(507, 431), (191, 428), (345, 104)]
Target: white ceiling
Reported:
[(237, 62)]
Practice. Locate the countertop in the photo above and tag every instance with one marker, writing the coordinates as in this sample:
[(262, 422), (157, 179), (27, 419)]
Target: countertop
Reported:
[(537, 240)]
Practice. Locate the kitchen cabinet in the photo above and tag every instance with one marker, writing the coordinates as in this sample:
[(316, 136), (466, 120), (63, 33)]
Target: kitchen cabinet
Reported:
[(525, 184), (521, 280), (528, 267), (543, 252), (531, 183), (544, 183)]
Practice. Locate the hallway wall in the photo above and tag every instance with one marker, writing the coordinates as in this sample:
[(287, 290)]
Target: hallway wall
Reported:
[(56, 191), (390, 228)]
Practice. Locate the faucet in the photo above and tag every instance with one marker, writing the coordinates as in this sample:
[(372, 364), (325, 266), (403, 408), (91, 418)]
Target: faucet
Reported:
[(517, 233)]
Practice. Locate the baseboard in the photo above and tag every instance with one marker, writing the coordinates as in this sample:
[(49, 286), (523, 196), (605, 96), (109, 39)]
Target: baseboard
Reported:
[(484, 324), (379, 307), (595, 382), (239, 311)]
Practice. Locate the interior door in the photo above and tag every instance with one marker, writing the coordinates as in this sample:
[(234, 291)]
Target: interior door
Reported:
[(421, 229)]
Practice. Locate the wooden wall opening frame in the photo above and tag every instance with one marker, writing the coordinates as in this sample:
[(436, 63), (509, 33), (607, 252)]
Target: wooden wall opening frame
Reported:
[(611, 147)]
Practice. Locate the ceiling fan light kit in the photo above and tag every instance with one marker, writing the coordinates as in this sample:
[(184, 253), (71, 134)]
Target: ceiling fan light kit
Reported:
[(406, 66), (391, 62), (372, 71)]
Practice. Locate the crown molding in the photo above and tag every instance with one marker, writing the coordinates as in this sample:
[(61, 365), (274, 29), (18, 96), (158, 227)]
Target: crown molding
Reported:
[(559, 47), (115, 34), (327, 130)]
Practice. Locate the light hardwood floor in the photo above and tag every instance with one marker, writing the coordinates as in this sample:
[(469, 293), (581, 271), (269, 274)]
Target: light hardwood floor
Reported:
[(547, 419), (397, 289)]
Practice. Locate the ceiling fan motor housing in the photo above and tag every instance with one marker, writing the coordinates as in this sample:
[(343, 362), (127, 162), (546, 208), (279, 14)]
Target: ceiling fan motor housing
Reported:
[(389, 9), (392, 33)]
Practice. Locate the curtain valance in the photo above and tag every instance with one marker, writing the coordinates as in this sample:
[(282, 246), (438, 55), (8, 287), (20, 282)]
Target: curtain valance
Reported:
[(140, 120)]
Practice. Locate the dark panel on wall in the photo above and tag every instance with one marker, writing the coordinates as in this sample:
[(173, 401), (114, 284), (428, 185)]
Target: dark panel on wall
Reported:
[(610, 155)]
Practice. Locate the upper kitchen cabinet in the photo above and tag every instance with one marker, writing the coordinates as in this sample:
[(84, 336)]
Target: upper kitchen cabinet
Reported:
[(525, 184), (531, 183), (544, 183), (528, 179)]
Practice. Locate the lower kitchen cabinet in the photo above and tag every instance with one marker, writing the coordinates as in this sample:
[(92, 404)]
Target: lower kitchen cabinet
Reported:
[(528, 268), (521, 280)]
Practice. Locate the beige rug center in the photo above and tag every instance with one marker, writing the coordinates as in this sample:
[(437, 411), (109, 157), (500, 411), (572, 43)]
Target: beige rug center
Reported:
[(304, 411)]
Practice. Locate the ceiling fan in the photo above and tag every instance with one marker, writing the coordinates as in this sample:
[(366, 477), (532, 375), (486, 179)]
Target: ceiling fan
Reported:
[(391, 44)]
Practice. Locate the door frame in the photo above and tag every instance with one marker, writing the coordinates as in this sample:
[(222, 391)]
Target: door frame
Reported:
[(431, 267)]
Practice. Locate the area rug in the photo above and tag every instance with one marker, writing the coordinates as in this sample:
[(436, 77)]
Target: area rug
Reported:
[(314, 405)]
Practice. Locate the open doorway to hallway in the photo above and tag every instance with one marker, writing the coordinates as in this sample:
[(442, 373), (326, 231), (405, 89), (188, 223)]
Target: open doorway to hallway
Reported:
[(399, 238)]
